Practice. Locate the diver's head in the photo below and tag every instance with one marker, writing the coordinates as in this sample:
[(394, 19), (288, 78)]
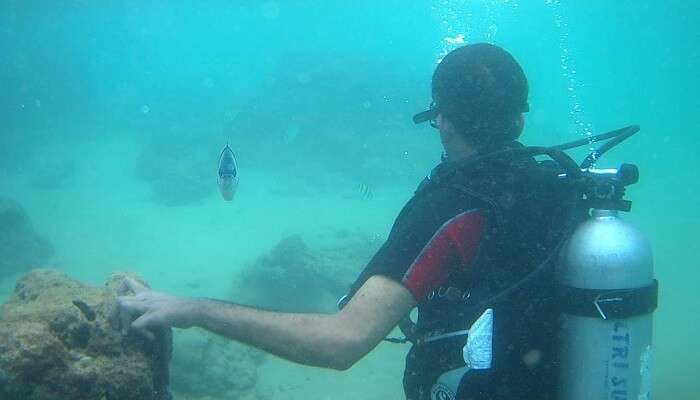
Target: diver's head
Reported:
[(479, 97)]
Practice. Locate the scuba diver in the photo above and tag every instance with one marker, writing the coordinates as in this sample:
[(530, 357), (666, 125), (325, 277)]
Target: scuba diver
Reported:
[(521, 291)]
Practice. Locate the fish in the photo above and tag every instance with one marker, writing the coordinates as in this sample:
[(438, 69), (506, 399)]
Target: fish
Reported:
[(87, 311), (228, 173), (365, 191), (193, 285)]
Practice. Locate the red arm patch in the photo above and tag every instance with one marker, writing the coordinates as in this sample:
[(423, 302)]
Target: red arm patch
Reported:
[(454, 244)]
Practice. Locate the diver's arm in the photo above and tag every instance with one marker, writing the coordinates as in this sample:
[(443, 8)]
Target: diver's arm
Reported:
[(331, 341)]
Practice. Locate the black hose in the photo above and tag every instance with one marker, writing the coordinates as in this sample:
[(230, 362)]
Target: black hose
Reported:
[(597, 138), (557, 152), (575, 205), (622, 136)]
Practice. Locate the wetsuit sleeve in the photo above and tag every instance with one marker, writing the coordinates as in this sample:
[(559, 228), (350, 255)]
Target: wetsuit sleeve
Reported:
[(454, 245), (439, 220)]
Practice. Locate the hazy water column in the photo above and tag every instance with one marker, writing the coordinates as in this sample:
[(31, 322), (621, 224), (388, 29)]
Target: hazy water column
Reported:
[(567, 61), (468, 21)]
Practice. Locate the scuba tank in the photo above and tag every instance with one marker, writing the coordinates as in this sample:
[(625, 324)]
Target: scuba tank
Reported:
[(603, 269), (607, 293), (606, 276)]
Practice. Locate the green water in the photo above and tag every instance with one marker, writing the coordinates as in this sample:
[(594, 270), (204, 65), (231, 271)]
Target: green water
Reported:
[(113, 114)]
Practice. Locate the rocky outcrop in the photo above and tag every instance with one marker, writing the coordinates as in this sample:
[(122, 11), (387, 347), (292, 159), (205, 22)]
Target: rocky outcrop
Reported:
[(296, 277), (21, 247), (60, 339)]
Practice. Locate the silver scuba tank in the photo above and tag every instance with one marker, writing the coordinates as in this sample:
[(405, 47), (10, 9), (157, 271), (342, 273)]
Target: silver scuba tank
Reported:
[(608, 295)]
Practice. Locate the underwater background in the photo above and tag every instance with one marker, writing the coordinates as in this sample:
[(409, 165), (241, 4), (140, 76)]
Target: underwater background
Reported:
[(113, 114)]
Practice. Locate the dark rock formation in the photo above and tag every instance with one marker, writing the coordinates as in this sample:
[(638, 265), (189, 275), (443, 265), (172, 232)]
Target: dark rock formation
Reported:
[(60, 339), (21, 247), (294, 277)]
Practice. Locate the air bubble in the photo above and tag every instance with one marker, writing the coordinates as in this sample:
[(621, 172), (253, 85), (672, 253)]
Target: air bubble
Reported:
[(567, 65)]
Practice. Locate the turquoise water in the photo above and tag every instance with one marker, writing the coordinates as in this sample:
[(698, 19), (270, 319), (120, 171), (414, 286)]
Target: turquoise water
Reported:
[(113, 117)]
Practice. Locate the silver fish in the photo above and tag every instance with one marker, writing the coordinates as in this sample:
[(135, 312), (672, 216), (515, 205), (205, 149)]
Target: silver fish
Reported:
[(228, 173)]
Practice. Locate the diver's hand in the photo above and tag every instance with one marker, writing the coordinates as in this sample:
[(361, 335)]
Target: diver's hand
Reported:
[(157, 309)]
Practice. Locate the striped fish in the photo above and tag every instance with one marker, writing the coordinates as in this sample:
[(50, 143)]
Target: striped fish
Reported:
[(228, 173)]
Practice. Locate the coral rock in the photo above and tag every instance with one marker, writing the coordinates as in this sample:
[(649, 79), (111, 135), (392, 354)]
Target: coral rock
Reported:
[(49, 349)]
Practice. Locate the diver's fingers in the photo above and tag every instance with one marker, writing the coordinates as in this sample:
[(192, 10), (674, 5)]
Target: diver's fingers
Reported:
[(134, 304), (123, 288), (126, 324), (148, 320), (127, 307), (135, 286)]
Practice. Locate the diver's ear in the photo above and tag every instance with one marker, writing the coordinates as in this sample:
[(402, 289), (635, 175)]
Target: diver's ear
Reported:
[(444, 124), (520, 124), (446, 129)]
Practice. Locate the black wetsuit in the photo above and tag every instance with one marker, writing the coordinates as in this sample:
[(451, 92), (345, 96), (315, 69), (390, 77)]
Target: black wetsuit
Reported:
[(472, 230)]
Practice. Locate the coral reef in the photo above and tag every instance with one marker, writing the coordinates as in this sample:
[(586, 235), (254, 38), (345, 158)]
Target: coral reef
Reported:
[(295, 277), (21, 247), (61, 339)]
